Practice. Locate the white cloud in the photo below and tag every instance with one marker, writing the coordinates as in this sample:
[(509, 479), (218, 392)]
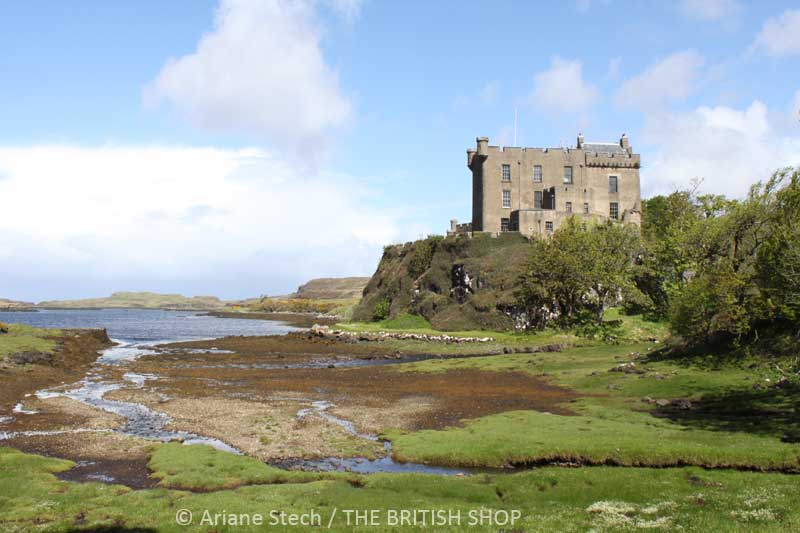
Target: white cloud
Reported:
[(261, 70), (780, 36), (729, 149), (201, 220), (486, 96), (562, 89), (672, 78), (347, 9), (710, 9)]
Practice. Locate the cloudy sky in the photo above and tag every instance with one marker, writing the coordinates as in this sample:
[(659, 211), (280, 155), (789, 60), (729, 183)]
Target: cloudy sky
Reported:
[(240, 147)]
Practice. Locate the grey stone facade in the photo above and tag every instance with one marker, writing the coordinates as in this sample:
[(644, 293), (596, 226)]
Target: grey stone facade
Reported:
[(533, 190)]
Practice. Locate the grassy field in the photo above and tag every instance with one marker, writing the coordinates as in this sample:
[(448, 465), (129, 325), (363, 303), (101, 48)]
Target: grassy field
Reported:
[(730, 422), (723, 464), (21, 338), (547, 499)]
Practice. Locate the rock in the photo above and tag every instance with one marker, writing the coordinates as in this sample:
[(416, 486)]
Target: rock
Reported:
[(757, 386), (792, 438), (781, 383), (612, 386), (648, 399), (682, 404), (32, 358), (662, 402), (628, 368)]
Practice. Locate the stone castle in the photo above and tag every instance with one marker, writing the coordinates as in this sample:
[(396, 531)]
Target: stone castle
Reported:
[(533, 190)]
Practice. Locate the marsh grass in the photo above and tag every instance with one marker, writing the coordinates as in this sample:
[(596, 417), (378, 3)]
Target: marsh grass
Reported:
[(22, 338), (550, 499)]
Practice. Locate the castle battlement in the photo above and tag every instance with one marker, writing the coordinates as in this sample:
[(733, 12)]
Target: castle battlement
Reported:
[(533, 190)]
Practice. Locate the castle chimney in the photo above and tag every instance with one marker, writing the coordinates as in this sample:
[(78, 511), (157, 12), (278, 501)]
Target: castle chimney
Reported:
[(623, 142), (483, 145), (580, 141), (470, 155)]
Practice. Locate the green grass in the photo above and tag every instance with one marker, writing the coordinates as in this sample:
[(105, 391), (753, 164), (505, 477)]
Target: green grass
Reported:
[(601, 436), (21, 338), (549, 499), (203, 468), (732, 423)]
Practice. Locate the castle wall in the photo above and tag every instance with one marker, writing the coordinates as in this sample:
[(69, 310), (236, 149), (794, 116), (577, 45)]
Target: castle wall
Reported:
[(590, 185)]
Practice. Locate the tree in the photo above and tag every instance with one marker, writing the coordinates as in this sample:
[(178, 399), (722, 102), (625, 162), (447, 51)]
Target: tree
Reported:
[(611, 251), (581, 268), (710, 307)]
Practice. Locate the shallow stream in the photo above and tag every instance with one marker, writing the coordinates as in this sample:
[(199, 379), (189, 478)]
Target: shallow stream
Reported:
[(138, 332)]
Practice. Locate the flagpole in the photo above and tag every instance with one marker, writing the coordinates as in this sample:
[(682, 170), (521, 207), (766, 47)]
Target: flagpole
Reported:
[(515, 126)]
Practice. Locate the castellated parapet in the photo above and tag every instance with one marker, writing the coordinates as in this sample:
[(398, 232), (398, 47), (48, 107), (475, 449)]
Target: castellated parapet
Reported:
[(533, 190)]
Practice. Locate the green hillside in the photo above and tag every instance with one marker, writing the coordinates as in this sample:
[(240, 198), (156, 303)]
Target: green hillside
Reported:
[(139, 300)]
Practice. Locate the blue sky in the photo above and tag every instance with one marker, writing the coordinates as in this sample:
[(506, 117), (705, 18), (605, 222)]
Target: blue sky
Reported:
[(239, 148)]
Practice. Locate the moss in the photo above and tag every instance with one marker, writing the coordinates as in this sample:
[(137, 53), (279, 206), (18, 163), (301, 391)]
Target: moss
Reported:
[(416, 278)]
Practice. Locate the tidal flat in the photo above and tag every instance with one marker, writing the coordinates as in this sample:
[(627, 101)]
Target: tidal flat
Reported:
[(589, 436)]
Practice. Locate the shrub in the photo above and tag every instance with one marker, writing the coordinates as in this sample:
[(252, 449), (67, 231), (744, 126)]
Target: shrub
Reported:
[(381, 311)]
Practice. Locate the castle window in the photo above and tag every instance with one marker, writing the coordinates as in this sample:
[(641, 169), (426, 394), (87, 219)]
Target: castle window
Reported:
[(537, 199), (507, 199), (567, 174), (505, 224), (613, 184), (506, 172), (613, 211), (568, 207), (537, 173), (585, 208), (548, 226)]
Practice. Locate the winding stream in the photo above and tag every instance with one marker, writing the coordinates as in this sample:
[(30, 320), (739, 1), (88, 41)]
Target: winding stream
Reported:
[(363, 465), (139, 339)]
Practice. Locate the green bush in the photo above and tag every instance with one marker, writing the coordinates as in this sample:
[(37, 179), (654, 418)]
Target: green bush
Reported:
[(381, 311)]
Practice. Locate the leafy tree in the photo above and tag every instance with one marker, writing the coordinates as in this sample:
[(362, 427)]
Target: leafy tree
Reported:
[(612, 251), (582, 269), (710, 307), (778, 263)]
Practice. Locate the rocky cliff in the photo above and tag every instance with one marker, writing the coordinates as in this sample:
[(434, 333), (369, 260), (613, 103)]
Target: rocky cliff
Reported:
[(456, 283)]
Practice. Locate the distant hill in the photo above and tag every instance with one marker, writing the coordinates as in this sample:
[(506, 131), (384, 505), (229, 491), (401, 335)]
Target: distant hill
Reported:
[(12, 305), (331, 289), (139, 300)]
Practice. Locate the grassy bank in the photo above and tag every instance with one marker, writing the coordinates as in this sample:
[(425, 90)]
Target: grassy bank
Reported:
[(728, 416), (34, 358), (549, 499), (21, 338)]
